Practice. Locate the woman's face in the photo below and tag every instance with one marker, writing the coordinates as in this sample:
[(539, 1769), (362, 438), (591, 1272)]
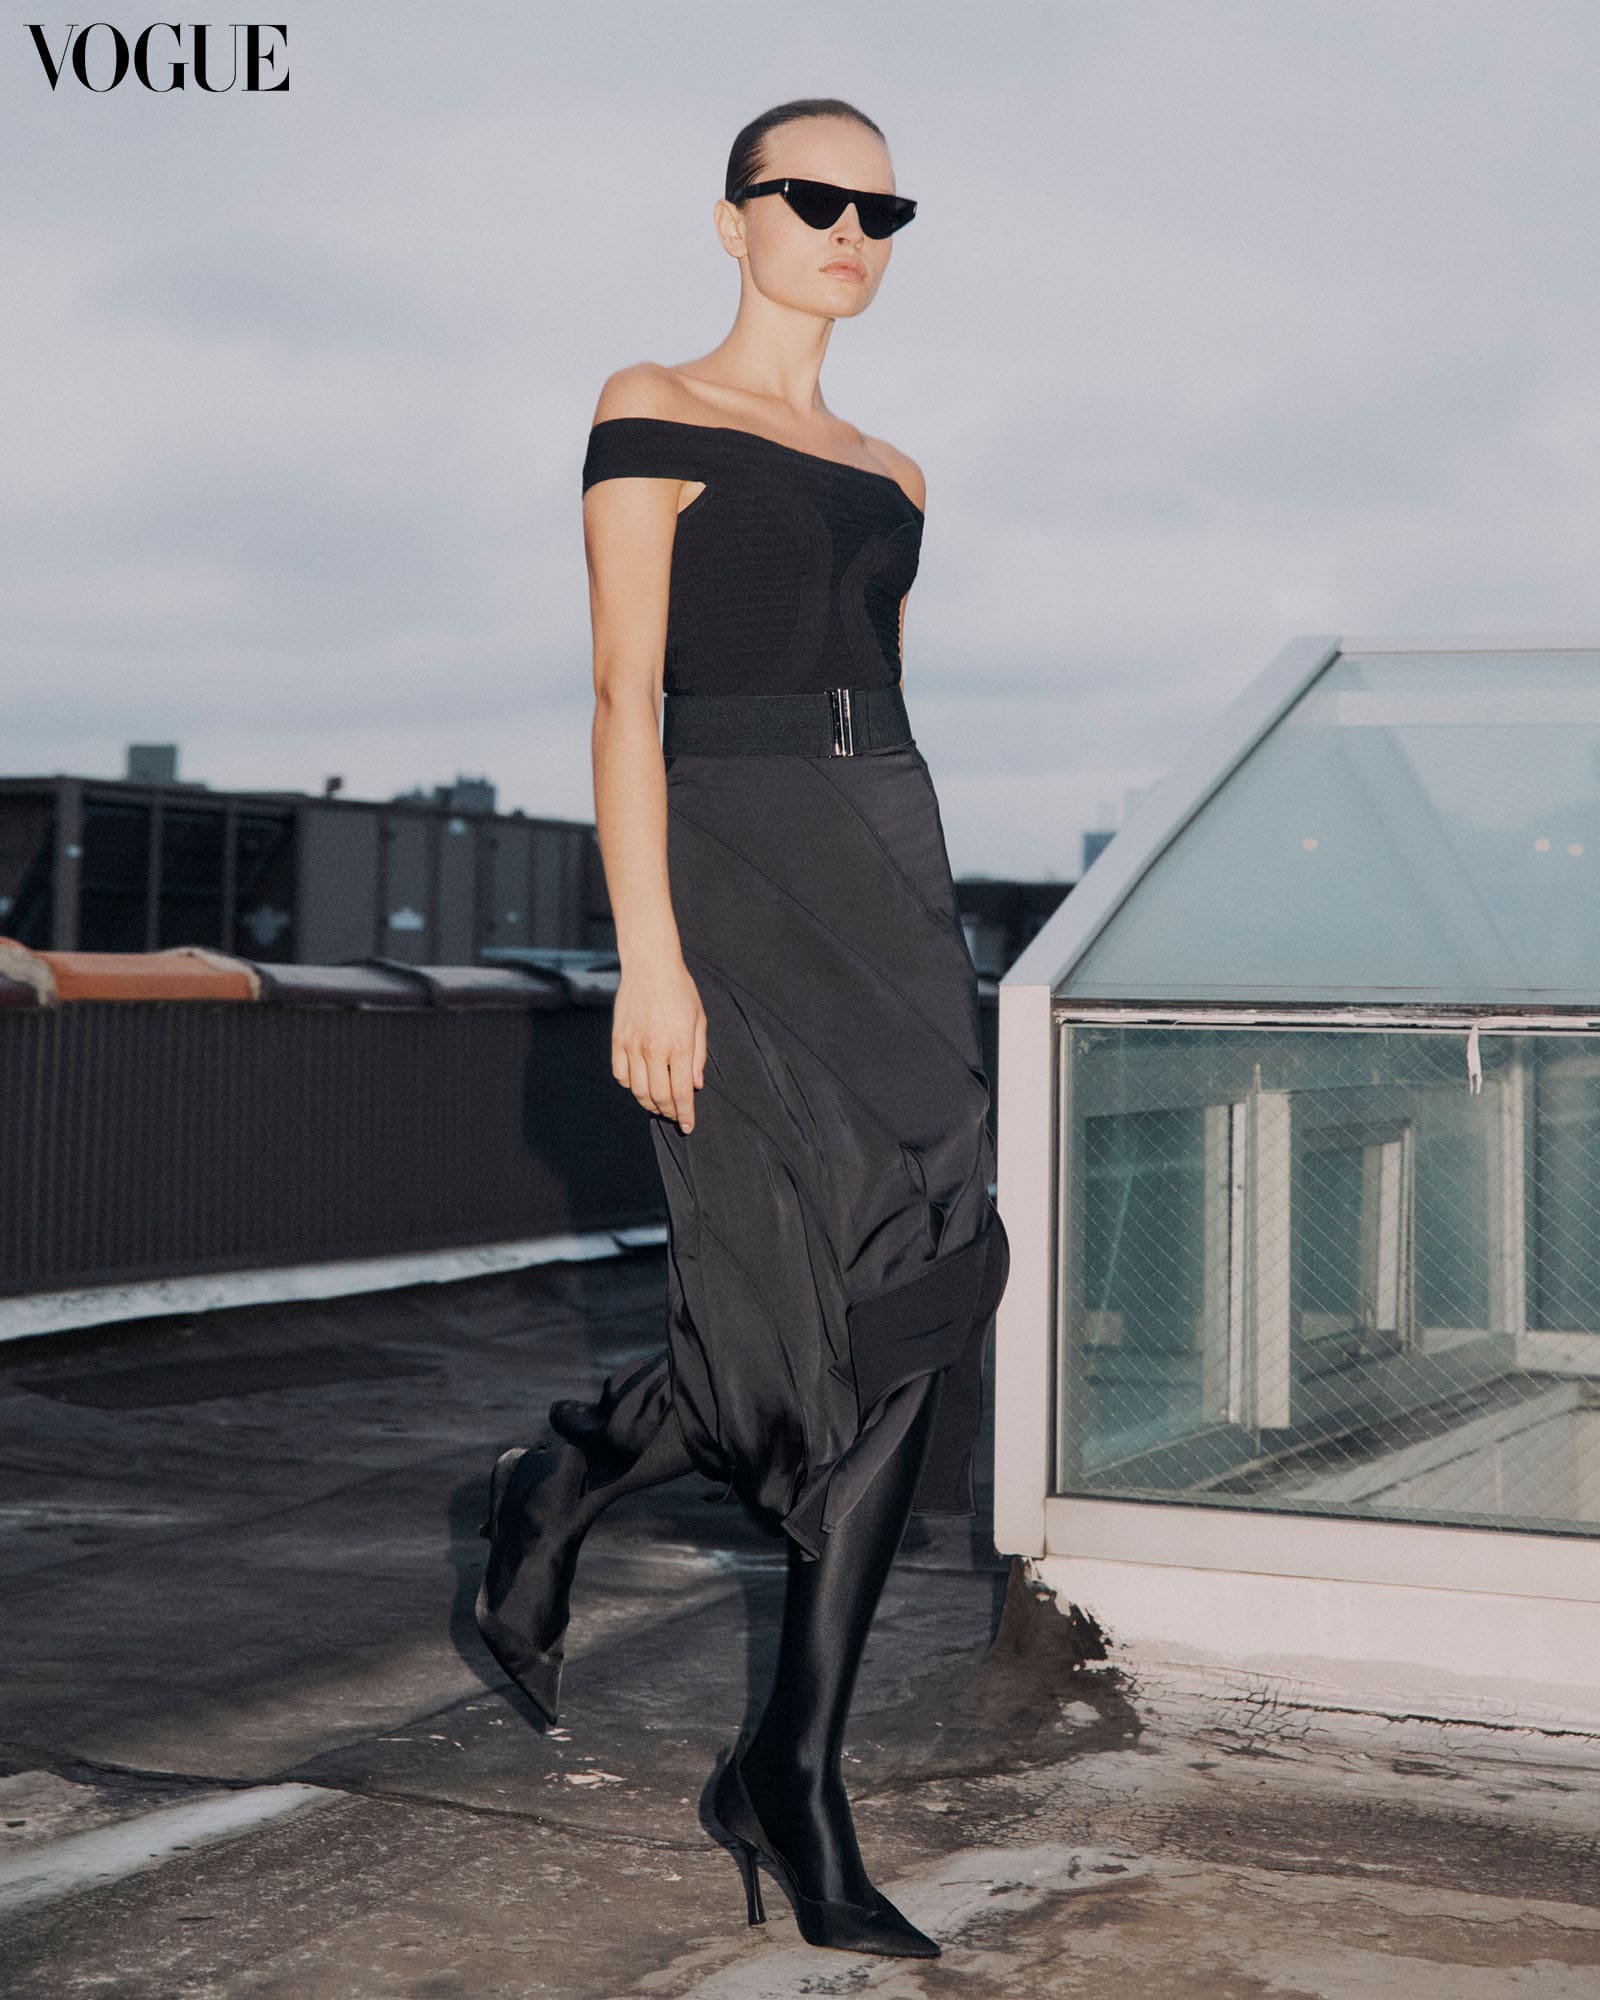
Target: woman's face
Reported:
[(832, 272)]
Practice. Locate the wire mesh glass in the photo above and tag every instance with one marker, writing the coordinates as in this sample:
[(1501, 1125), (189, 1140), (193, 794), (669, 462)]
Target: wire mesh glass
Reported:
[(1328, 1271)]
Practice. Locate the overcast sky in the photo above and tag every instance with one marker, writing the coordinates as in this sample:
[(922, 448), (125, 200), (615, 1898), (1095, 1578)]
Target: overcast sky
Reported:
[(1221, 321)]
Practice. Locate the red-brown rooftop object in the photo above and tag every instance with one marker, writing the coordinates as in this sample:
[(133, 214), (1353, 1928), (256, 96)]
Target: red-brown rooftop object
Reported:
[(186, 972)]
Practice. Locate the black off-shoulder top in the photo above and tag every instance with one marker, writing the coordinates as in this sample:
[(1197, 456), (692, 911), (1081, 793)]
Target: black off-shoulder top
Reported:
[(787, 571)]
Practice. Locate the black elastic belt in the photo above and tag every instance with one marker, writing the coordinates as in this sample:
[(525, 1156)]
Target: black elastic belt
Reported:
[(831, 722)]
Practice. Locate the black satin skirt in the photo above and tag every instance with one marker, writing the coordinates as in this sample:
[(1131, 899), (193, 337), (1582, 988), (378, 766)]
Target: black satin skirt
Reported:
[(832, 1238)]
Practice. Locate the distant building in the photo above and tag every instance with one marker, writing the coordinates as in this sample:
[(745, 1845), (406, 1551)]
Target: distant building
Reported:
[(1095, 842), (153, 763), (465, 795), (1000, 918), (1097, 839), (146, 862)]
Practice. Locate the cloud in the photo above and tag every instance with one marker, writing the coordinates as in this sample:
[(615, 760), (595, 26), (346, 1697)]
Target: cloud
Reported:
[(1216, 324)]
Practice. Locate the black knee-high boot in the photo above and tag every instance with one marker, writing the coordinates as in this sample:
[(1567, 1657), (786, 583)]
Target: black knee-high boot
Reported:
[(542, 1505), (791, 1765)]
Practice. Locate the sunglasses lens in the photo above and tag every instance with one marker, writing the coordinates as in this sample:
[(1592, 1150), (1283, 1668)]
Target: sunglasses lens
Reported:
[(816, 203), (820, 204), (882, 214)]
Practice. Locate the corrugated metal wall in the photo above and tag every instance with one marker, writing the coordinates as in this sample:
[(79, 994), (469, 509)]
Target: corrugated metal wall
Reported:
[(147, 1139)]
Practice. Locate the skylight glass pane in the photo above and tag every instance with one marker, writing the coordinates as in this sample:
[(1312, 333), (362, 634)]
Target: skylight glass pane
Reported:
[(1419, 826)]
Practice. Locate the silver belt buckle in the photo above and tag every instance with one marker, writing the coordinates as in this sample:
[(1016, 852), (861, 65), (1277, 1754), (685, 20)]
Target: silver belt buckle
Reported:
[(844, 740)]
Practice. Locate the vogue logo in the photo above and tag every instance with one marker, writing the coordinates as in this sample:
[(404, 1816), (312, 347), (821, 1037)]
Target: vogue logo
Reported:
[(101, 55)]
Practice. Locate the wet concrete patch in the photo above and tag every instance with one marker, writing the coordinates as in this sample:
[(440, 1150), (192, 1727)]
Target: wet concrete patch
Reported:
[(1077, 1923)]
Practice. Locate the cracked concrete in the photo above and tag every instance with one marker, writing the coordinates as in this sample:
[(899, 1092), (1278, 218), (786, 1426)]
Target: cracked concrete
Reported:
[(269, 1586)]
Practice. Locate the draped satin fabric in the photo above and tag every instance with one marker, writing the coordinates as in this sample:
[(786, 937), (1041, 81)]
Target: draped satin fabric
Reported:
[(831, 1234)]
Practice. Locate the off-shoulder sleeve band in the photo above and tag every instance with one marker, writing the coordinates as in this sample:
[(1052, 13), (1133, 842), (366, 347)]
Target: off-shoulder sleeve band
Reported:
[(639, 448)]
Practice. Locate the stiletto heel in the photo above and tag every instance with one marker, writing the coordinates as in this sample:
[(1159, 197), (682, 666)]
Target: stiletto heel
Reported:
[(876, 1926), (750, 1869)]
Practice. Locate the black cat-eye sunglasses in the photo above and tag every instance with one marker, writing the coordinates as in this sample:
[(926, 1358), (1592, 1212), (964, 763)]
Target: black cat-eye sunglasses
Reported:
[(820, 204)]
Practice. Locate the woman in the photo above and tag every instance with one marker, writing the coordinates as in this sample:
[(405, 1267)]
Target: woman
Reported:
[(797, 1008)]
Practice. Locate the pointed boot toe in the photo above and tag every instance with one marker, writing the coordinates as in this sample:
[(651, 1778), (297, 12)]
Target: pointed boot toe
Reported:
[(876, 1926), (538, 1674), (912, 1943), (530, 1493)]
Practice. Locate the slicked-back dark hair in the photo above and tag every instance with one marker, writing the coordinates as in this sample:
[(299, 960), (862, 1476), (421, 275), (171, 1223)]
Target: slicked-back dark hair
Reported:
[(749, 149)]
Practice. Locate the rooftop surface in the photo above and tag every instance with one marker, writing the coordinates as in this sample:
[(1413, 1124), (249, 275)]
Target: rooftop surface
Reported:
[(251, 1744)]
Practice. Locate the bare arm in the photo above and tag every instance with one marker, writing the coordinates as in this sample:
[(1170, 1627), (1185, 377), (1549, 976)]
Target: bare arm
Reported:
[(658, 1031)]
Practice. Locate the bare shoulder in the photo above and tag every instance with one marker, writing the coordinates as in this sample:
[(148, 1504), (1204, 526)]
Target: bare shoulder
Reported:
[(646, 389), (902, 467)]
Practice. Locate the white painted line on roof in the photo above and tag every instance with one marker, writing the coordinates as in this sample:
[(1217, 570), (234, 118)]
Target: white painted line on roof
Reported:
[(109, 1853), (55, 1312)]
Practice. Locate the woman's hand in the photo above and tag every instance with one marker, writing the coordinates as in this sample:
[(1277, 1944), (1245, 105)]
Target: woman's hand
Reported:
[(658, 1037)]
